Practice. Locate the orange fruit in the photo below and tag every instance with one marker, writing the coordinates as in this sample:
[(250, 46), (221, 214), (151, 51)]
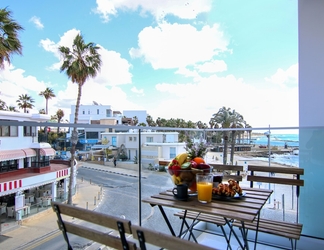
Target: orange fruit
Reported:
[(198, 160)]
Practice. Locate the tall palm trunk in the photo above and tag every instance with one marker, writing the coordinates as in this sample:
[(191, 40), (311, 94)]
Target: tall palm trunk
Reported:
[(58, 127), (225, 147), (233, 147), (74, 141)]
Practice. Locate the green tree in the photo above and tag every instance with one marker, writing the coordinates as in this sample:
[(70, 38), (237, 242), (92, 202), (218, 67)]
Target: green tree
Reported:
[(12, 109), (135, 120), (150, 121), (161, 122), (142, 124), (249, 132), (3, 105), (25, 102), (9, 42), (79, 63), (48, 93), (59, 115), (237, 122), (224, 118)]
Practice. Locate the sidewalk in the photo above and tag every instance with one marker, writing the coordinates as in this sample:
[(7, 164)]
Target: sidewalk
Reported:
[(44, 224)]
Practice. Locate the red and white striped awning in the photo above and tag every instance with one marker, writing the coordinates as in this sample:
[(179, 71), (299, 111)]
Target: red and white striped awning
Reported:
[(47, 151), (6, 155), (29, 152)]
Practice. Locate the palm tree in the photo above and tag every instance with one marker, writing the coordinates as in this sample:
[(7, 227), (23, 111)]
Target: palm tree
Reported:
[(150, 121), (249, 132), (237, 122), (9, 42), (12, 109), (199, 124), (48, 93), (59, 115), (79, 63), (3, 105), (25, 102), (135, 120), (224, 118), (142, 124)]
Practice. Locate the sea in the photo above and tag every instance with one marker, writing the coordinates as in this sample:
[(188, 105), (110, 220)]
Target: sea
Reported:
[(280, 140)]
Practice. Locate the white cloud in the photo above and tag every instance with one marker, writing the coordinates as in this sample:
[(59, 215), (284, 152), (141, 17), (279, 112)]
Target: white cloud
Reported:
[(14, 82), (179, 45), (199, 101), (93, 91), (212, 66), (187, 72), (36, 20), (285, 77), (137, 91), (183, 9), (65, 40), (114, 68)]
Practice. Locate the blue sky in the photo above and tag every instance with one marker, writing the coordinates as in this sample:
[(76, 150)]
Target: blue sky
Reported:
[(172, 58)]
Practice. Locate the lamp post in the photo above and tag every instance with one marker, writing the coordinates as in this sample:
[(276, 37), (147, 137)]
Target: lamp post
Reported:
[(269, 152), (267, 134)]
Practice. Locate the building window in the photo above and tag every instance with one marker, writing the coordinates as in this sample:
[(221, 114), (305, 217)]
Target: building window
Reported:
[(83, 112), (108, 112), (92, 135), (149, 139), (88, 112), (130, 138), (9, 131), (29, 131), (172, 152), (6, 166), (135, 138), (97, 111)]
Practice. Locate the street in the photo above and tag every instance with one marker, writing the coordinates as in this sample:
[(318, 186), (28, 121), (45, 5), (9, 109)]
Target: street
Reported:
[(120, 198)]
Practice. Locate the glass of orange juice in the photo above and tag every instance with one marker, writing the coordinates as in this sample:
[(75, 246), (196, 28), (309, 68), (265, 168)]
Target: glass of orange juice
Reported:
[(204, 187)]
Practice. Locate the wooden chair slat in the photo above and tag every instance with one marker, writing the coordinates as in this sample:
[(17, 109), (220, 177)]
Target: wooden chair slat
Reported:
[(87, 230), (226, 167), (97, 236), (93, 217), (275, 180), (282, 170), (166, 241)]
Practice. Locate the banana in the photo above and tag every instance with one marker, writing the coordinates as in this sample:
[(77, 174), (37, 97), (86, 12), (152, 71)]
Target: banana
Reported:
[(181, 158), (176, 180)]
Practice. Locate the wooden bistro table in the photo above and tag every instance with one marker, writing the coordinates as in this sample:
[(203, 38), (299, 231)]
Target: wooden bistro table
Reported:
[(243, 209)]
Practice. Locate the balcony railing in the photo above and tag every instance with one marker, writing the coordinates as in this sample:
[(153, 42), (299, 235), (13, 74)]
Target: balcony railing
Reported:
[(280, 146), (40, 164)]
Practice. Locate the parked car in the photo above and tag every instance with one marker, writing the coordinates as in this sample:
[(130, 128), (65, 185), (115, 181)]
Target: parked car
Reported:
[(61, 157)]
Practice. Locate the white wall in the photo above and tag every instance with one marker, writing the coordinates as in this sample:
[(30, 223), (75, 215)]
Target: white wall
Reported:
[(311, 113), (9, 143), (90, 112)]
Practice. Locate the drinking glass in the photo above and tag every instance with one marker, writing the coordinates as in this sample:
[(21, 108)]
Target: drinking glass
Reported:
[(204, 187), (217, 179)]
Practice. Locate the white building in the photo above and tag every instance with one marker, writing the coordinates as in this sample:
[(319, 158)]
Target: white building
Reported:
[(25, 163), (103, 115), (155, 146)]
